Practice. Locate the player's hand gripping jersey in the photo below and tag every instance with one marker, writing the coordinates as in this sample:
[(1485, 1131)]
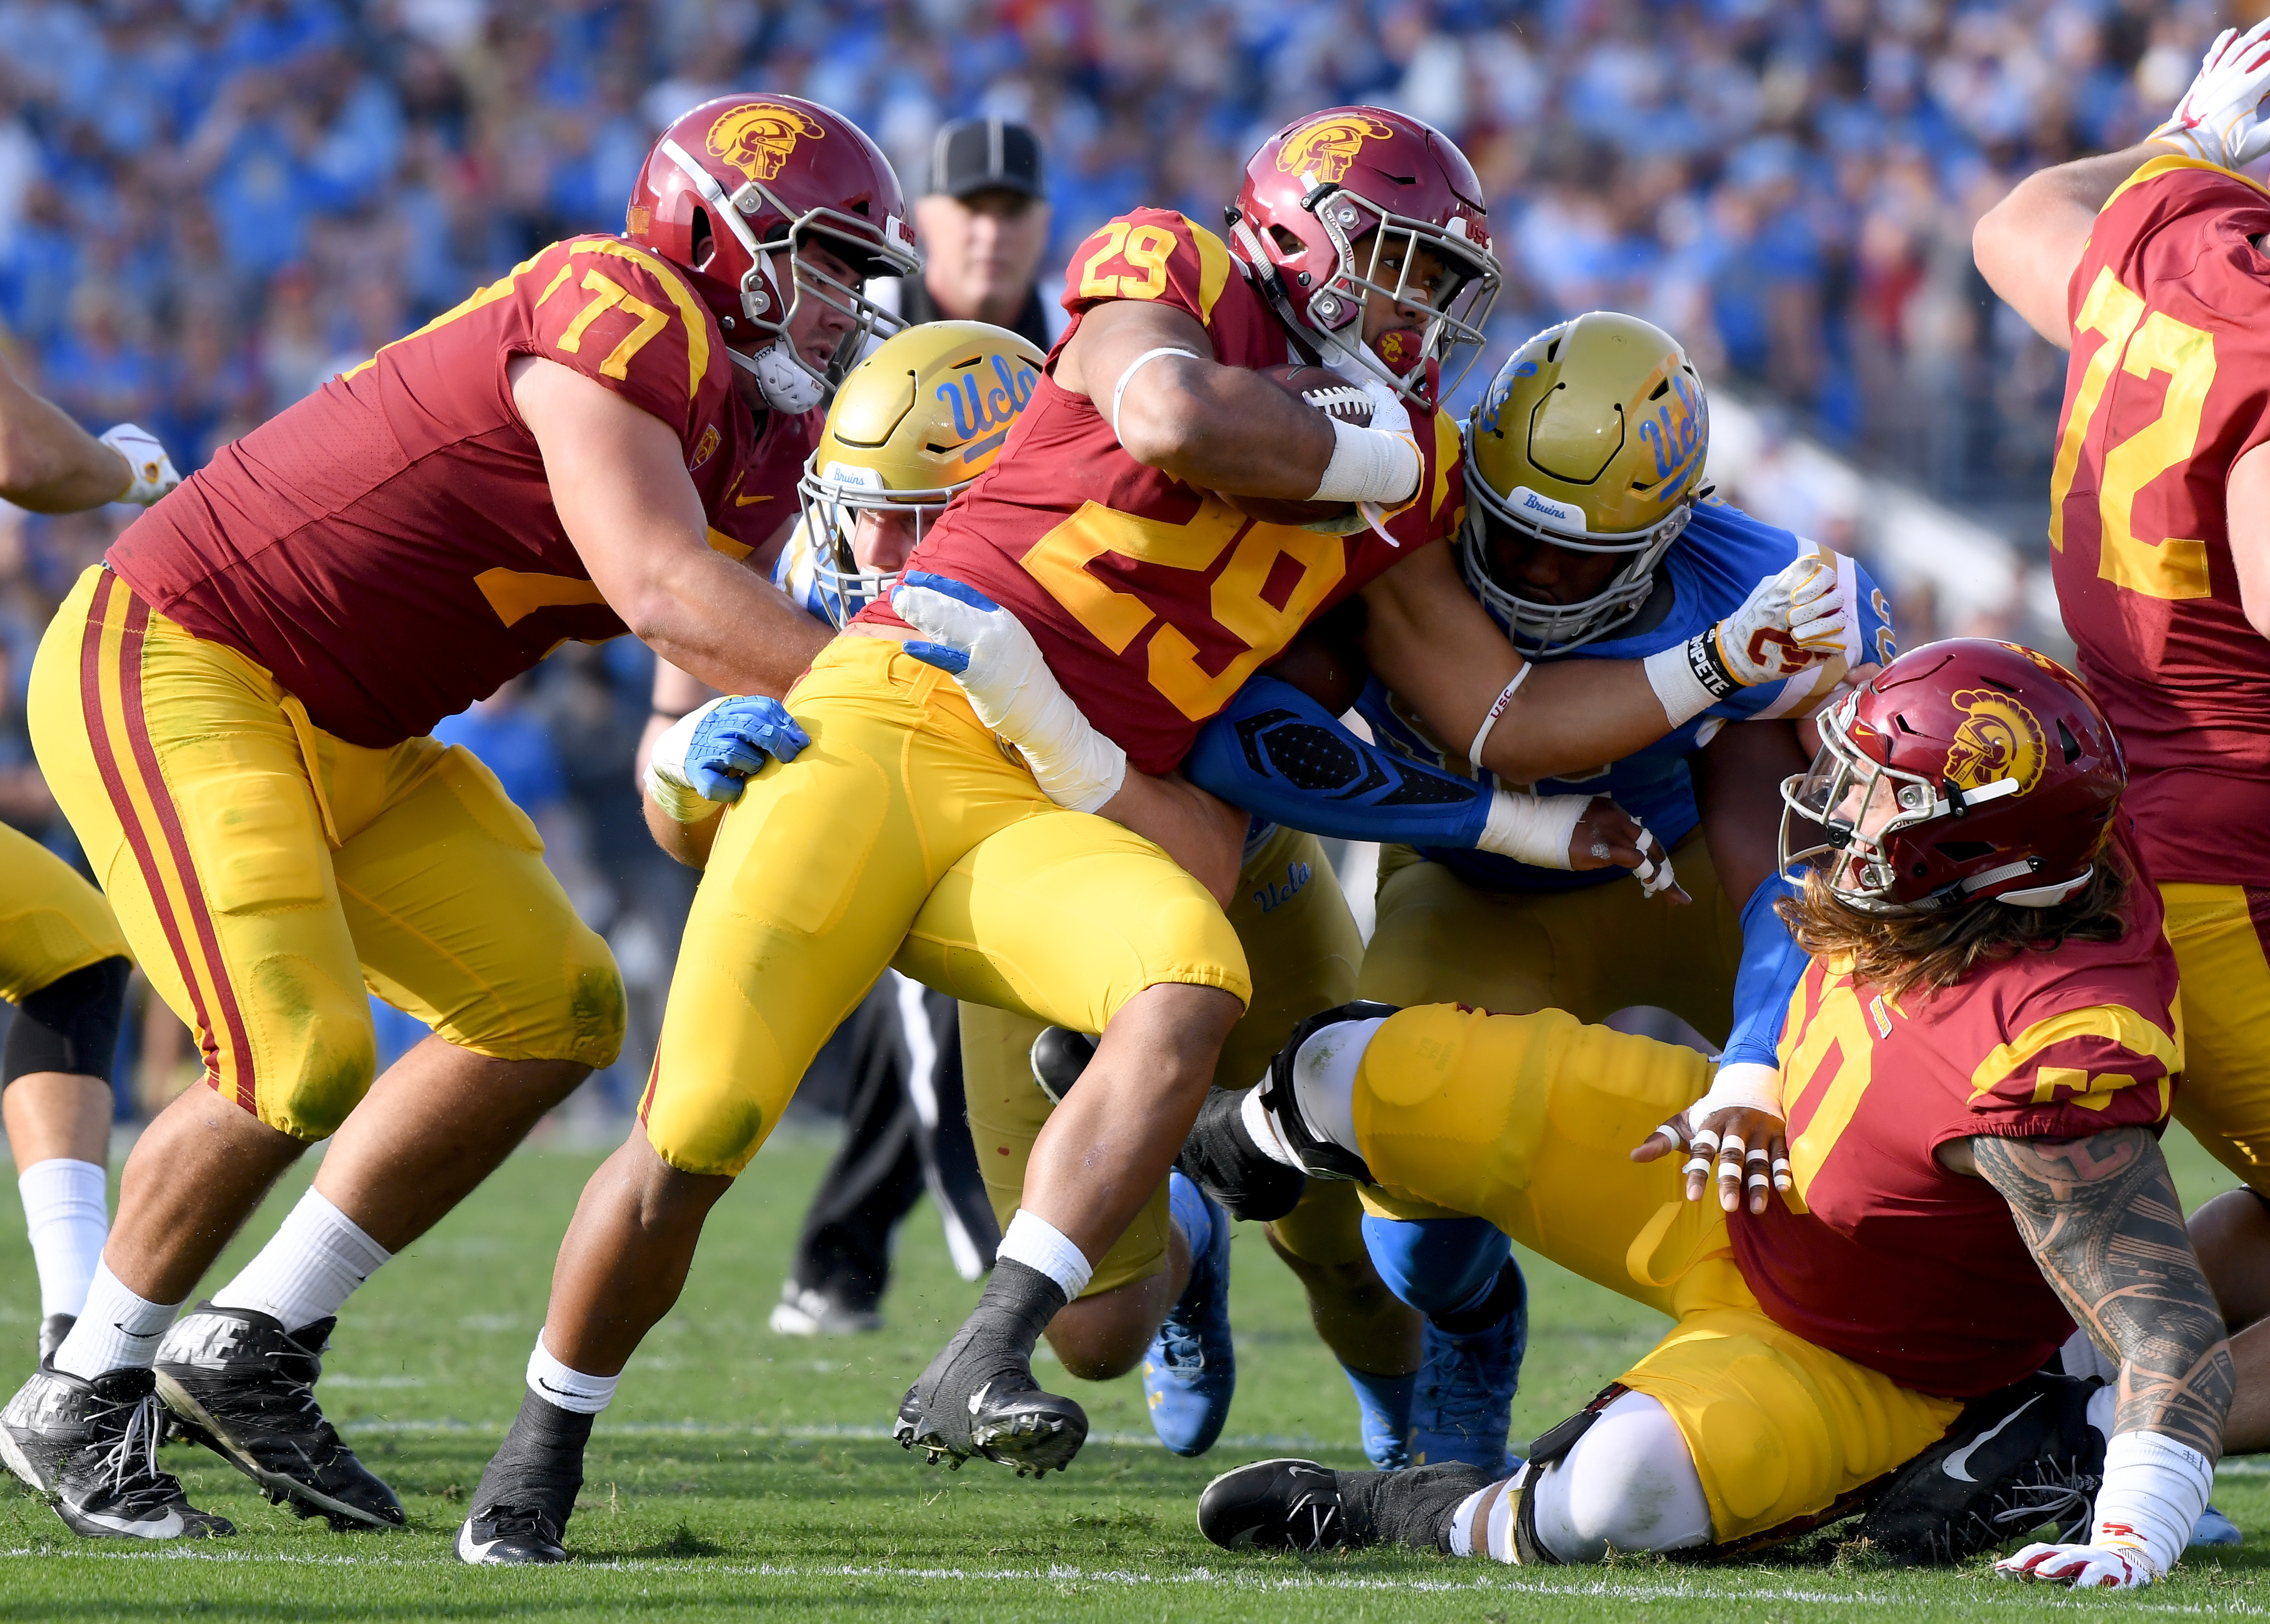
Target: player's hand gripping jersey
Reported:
[(390, 550), (1153, 602), (1894, 1261), (2168, 386)]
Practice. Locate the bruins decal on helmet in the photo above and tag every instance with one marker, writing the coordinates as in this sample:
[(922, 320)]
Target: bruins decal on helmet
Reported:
[(1321, 154), (756, 138), (1999, 739)]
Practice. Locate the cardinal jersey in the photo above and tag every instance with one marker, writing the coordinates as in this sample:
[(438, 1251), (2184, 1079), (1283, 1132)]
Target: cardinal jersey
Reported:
[(2170, 385), (1152, 601), (1713, 565), (1896, 1263), (388, 547)]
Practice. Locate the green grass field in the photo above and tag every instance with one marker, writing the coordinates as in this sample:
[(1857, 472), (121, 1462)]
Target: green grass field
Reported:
[(742, 1473)]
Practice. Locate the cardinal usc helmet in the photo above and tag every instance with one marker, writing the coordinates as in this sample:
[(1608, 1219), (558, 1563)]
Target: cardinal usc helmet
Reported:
[(742, 178), (1592, 437), (912, 427), (1965, 769), (1345, 204)]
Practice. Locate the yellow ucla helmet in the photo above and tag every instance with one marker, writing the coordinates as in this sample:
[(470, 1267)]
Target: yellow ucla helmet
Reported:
[(1591, 437), (911, 429)]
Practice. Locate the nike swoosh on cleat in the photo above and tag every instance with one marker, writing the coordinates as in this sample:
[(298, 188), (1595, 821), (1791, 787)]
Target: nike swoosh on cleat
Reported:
[(473, 1550), (977, 1399), (1955, 1464), (169, 1528)]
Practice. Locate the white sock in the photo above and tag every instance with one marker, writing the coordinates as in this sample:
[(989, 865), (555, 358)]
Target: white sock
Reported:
[(64, 1209), (567, 1390), (1263, 1127), (1039, 1244), (116, 1328), (1483, 1524), (309, 1270)]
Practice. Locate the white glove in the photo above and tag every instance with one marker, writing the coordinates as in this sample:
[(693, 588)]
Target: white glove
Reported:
[(2084, 1567), (2220, 118), (1011, 687), (700, 763), (1789, 621), (152, 470)]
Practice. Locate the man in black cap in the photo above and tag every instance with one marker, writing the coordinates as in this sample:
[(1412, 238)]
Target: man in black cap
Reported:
[(983, 225)]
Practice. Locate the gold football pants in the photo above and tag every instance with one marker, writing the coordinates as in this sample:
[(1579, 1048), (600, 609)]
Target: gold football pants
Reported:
[(904, 835), (51, 921), (2219, 933), (1526, 1120), (265, 871), (1302, 945)]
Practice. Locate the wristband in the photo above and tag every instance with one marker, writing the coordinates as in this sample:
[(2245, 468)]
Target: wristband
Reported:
[(1368, 465), (1497, 709), (680, 802), (1531, 828), (2154, 1490), (1676, 676), (1740, 1086)]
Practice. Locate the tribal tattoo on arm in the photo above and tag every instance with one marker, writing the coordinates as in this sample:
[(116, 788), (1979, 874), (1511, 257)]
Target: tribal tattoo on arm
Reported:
[(2102, 1217)]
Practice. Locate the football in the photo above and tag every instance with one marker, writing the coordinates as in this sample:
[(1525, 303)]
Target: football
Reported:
[(1336, 397)]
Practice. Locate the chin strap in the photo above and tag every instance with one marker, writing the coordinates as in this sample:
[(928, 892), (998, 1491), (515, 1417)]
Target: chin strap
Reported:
[(786, 385)]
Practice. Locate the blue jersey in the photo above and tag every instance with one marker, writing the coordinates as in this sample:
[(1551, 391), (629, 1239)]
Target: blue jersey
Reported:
[(1715, 563)]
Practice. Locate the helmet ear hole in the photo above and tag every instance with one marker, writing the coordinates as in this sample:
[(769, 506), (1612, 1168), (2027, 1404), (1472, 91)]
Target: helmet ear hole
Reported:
[(704, 240), (1287, 242)]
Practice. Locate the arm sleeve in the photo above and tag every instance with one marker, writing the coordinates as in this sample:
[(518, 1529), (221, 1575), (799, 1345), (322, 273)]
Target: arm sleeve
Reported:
[(1772, 965), (1278, 754)]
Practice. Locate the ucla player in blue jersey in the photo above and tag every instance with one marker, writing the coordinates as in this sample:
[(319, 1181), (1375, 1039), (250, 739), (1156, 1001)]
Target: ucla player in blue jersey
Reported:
[(1589, 535)]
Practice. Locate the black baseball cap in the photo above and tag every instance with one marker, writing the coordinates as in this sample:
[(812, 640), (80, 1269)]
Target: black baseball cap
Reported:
[(985, 154)]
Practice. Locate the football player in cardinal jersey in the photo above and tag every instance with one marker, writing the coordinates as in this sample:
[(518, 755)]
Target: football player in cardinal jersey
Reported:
[(1109, 527), (233, 711), (1578, 558), (1977, 1062), (2152, 265), (881, 474)]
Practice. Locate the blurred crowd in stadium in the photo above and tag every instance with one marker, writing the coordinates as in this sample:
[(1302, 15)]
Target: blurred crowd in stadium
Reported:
[(208, 206)]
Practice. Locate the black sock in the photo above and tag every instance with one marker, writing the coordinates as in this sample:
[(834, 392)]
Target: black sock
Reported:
[(1221, 1157), (540, 1465)]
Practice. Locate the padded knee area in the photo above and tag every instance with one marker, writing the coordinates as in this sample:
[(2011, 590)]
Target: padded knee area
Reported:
[(69, 1025), (1628, 1485), (1437, 1265)]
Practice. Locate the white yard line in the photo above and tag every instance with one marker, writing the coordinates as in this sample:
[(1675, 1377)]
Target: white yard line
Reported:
[(1487, 1582)]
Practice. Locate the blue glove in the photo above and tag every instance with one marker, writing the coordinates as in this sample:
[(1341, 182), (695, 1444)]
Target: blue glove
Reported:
[(711, 751)]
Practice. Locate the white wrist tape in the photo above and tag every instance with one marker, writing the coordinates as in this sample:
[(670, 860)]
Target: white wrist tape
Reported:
[(1532, 828), (2154, 1490), (1497, 709), (1368, 465), (1083, 771), (1744, 1086), (666, 770), (1682, 692), (1119, 389), (1035, 1243)]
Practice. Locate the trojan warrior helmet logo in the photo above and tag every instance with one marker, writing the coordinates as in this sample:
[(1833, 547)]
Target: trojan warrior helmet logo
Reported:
[(757, 137), (1999, 739), (1324, 151)]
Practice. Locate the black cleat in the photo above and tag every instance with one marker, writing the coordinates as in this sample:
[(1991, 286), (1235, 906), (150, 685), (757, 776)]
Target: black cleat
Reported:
[(242, 1385), (528, 1493), (978, 1397), (2011, 1461), (1059, 1056), (1221, 1157), (1298, 1505), (53, 1330), (91, 1449)]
